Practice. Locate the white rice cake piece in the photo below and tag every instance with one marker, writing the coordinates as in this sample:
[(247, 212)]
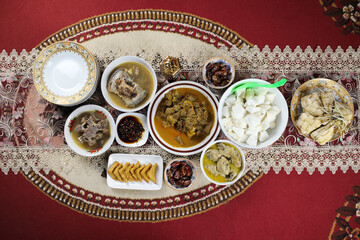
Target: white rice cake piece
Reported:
[(240, 93), (228, 123), (252, 139), (253, 109), (264, 108), (253, 119), (275, 110), (267, 122), (260, 91), (226, 111), (255, 100), (249, 93), (263, 136), (238, 112), (269, 98), (254, 128), (240, 124), (230, 100), (241, 136)]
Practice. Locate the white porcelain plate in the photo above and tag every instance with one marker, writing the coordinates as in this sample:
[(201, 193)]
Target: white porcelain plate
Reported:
[(133, 158), (65, 73)]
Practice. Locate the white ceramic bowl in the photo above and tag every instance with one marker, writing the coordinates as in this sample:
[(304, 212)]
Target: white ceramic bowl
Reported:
[(218, 60), (152, 112), (281, 118), (241, 173), (145, 135), (106, 75), (68, 126)]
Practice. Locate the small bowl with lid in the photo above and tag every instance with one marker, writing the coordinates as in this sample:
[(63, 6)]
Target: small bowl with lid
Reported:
[(131, 129)]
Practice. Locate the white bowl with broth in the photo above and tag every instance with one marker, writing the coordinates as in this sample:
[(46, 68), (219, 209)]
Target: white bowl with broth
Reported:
[(72, 136), (146, 80)]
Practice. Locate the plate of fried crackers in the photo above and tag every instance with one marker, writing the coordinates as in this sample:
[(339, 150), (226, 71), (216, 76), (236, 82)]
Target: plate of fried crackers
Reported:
[(130, 171)]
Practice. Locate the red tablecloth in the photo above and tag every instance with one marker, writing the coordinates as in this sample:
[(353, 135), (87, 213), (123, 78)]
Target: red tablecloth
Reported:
[(278, 206)]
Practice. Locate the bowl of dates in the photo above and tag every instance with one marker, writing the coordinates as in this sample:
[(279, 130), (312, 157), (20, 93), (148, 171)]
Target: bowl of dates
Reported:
[(180, 174), (218, 73)]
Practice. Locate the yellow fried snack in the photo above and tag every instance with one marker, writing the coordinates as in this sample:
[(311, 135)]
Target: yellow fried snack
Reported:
[(132, 171), (137, 172), (116, 172), (144, 171), (127, 173), (152, 173), (111, 170), (122, 172)]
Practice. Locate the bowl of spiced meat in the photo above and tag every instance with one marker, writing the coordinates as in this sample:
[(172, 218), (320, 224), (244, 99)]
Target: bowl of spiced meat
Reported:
[(132, 130), (218, 73), (180, 174)]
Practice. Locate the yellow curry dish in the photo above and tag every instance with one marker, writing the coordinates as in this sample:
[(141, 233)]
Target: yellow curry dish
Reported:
[(184, 117), (222, 162)]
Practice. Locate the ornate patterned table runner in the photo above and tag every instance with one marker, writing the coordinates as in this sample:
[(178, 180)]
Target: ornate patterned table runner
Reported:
[(30, 122)]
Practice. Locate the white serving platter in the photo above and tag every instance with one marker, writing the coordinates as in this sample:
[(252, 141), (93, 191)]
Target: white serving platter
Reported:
[(133, 158)]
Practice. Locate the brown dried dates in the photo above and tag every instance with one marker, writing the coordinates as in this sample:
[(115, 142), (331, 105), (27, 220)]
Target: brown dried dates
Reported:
[(180, 174)]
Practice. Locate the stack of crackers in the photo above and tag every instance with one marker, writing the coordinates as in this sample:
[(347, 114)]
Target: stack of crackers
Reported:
[(133, 172)]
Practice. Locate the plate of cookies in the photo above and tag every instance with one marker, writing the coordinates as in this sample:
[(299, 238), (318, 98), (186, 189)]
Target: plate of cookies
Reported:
[(139, 172)]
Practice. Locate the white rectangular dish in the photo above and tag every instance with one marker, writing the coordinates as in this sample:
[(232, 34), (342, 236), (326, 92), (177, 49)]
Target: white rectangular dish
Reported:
[(133, 158)]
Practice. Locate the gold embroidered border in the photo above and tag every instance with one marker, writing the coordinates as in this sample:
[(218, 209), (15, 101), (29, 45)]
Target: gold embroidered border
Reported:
[(190, 209), (146, 14)]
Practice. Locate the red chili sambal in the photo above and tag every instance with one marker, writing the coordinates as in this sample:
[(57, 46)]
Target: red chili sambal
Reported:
[(130, 129)]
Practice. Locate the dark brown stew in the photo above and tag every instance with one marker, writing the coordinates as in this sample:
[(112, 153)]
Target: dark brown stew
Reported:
[(130, 129)]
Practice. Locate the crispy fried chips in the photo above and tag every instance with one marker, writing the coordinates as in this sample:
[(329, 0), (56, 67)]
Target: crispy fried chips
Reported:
[(133, 172)]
